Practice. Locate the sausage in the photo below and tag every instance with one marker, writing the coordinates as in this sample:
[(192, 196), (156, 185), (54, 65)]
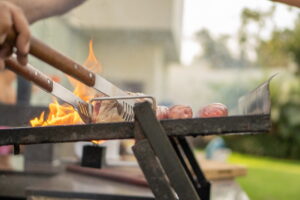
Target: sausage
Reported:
[(180, 112), (213, 110), (162, 112)]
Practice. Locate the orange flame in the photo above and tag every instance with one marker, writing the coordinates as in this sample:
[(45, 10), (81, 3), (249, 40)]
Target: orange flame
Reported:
[(63, 114)]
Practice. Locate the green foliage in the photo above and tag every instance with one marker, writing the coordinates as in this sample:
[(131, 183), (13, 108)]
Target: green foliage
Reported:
[(277, 51), (248, 15), (293, 43), (284, 139), (280, 48), (274, 52), (215, 51)]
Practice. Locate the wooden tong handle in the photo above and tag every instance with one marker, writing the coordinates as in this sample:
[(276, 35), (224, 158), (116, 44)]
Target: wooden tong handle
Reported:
[(30, 74), (61, 62)]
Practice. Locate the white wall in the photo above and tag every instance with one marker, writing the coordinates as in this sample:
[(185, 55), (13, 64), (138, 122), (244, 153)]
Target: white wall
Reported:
[(133, 39), (125, 14), (123, 61), (161, 18), (137, 62)]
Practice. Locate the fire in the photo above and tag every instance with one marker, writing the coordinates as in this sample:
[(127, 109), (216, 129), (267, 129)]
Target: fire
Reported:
[(63, 114)]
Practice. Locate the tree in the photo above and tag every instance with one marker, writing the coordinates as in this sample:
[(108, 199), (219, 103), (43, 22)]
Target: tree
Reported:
[(281, 48), (293, 44), (274, 52), (259, 18), (215, 50)]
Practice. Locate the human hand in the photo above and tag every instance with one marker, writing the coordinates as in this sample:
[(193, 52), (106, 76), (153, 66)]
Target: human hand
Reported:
[(13, 20)]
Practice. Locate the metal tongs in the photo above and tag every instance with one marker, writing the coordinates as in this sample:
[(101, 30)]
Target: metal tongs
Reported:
[(43, 81), (77, 71)]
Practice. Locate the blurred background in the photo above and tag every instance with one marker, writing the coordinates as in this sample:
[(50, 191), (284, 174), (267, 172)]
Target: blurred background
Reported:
[(195, 53)]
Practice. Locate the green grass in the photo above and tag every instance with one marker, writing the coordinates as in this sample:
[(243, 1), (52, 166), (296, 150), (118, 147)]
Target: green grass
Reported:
[(269, 178)]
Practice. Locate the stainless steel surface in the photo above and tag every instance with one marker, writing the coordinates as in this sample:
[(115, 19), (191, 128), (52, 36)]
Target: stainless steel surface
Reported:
[(257, 102), (109, 89)]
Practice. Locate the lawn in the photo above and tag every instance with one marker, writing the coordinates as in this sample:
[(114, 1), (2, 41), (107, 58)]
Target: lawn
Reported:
[(269, 178)]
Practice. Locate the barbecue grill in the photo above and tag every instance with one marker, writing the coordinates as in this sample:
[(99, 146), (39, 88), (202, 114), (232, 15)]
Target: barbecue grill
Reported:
[(161, 148)]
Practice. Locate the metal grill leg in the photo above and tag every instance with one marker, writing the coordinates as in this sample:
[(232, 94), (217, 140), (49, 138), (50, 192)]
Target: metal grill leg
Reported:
[(163, 149), (184, 164), (200, 182), (153, 171)]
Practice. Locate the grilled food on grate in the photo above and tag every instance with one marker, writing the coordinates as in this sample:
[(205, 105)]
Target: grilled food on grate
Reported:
[(107, 110), (213, 110)]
